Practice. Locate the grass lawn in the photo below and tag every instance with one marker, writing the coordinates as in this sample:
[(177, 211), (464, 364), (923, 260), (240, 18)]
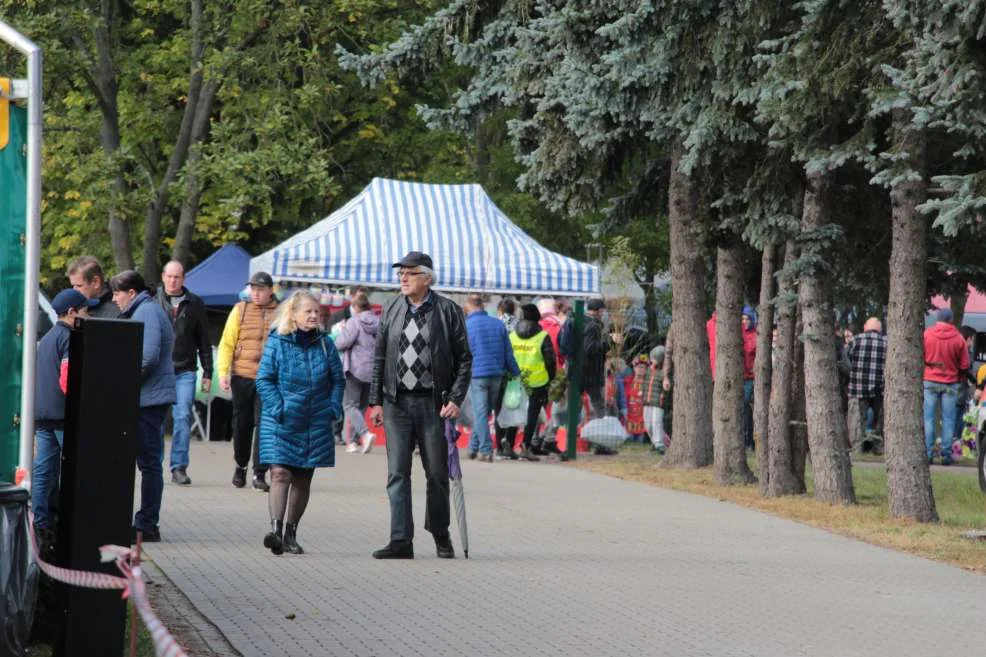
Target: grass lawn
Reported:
[(961, 505)]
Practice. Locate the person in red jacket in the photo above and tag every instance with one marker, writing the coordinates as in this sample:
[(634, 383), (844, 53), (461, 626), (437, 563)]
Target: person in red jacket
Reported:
[(946, 359), (749, 360)]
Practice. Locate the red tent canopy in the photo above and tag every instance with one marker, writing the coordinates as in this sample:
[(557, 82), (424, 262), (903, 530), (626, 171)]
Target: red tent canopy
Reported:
[(976, 303)]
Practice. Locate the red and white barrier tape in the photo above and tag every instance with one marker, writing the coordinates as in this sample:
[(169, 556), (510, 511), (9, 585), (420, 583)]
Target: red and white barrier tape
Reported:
[(132, 583)]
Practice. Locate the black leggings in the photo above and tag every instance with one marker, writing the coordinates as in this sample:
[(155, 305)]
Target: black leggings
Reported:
[(289, 484)]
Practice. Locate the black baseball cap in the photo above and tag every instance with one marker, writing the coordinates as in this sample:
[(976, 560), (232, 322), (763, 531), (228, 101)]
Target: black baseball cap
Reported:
[(415, 259), (261, 279)]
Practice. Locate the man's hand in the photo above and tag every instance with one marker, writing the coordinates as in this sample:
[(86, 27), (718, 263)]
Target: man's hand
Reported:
[(206, 385), (617, 338), (666, 384), (224, 383), (450, 411), (376, 415)]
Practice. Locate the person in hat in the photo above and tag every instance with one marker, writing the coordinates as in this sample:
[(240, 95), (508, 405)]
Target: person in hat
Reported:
[(595, 345), (653, 398), (238, 359), (946, 360), (157, 392), (51, 384), (421, 373), (535, 356)]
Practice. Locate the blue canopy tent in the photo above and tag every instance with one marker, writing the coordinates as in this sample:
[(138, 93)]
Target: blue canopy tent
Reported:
[(475, 246), (219, 278)]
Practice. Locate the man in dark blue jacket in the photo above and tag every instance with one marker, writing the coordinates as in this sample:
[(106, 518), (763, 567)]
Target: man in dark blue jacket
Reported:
[(492, 357), (49, 402)]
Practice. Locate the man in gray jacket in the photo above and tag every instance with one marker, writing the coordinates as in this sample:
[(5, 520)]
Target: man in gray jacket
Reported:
[(421, 372)]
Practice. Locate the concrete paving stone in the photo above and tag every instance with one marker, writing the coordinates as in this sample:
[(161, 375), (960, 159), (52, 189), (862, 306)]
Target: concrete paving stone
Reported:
[(562, 562)]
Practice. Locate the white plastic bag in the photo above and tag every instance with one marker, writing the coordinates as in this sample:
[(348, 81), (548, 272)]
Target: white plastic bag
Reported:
[(514, 417)]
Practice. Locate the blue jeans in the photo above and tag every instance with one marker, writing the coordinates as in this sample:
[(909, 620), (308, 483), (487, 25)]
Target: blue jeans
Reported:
[(150, 456), (45, 473), (482, 393), (181, 416), (944, 395)]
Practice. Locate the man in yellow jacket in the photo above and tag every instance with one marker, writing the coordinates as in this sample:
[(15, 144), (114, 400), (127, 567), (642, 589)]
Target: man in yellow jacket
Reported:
[(240, 349)]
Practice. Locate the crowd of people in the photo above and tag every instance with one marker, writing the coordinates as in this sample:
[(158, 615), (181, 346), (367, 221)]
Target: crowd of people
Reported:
[(422, 363)]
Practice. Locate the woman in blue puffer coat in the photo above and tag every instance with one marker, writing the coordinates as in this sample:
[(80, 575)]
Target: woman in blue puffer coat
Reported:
[(300, 384)]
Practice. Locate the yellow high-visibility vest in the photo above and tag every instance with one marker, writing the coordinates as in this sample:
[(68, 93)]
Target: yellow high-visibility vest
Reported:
[(527, 351)]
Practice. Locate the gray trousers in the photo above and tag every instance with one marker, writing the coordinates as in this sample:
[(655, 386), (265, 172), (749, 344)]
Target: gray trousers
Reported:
[(412, 420), (354, 400)]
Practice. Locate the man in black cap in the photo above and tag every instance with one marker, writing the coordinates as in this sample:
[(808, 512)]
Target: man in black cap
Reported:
[(421, 372), (595, 346), (238, 359)]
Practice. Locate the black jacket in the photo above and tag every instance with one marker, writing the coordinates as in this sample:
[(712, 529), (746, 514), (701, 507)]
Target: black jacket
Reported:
[(191, 332), (595, 345), (106, 308), (451, 360)]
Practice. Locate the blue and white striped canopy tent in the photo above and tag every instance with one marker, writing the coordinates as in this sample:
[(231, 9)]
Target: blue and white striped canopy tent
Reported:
[(475, 246)]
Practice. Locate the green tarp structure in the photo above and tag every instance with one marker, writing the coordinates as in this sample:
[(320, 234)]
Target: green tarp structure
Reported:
[(13, 211)]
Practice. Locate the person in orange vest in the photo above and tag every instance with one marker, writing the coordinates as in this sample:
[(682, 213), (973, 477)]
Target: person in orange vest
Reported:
[(238, 359)]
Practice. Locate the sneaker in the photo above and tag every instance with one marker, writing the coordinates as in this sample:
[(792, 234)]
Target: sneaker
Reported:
[(259, 484), (527, 455), (368, 439), (486, 458), (395, 550), (239, 477), (180, 477), (352, 448), (472, 456)]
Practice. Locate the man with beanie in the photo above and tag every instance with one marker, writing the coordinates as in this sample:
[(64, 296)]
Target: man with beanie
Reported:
[(654, 399), (946, 359), (595, 346), (536, 358)]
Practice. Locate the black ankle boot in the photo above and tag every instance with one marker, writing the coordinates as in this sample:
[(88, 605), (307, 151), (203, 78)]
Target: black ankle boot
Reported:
[(273, 540), (290, 543)]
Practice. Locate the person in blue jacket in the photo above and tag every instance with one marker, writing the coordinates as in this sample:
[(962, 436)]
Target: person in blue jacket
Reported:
[(157, 392), (300, 384)]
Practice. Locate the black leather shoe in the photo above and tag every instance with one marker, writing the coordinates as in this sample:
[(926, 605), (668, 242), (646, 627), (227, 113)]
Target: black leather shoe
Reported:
[(274, 541), (443, 548), (396, 550), (291, 539), (147, 535)]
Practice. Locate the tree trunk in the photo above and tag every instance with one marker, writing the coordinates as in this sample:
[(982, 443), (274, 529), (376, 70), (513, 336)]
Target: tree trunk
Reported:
[(762, 368), (185, 233), (727, 403), (151, 263), (103, 83), (827, 437), (781, 477), (908, 476), (799, 425), (691, 446), (956, 301)]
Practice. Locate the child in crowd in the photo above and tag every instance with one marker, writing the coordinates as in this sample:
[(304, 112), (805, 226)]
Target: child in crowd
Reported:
[(653, 399)]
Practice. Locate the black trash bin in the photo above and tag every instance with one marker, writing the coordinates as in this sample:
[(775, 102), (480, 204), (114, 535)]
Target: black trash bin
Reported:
[(18, 572)]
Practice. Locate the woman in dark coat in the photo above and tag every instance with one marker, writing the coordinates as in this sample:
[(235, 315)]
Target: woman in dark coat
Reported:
[(300, 384)]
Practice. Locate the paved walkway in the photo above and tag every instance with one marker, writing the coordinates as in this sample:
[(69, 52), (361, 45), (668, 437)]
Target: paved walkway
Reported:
[(562, 562)]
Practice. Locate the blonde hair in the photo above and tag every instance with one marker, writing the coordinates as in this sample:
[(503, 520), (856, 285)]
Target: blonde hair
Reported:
[(284, 322)]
